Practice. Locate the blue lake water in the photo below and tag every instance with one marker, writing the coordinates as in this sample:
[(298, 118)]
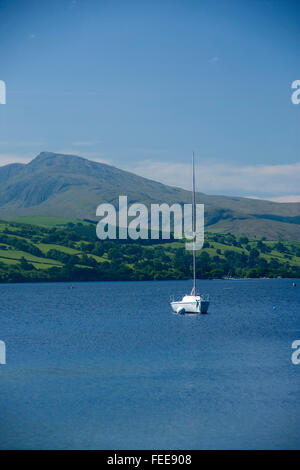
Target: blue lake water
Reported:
[(109, 366)]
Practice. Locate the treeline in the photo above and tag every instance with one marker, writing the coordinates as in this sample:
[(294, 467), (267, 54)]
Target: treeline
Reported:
[(95, 260)]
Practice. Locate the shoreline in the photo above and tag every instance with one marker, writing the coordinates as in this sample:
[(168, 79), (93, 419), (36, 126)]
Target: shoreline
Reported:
[(70, 283)]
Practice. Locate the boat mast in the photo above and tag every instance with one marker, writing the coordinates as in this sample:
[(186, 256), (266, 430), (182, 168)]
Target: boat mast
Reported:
[(194, 291)]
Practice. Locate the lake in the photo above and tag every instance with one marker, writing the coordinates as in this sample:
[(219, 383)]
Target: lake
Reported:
[(109, 366)]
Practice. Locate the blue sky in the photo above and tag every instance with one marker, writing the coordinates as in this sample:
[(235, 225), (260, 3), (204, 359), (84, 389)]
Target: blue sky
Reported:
[(140, 84)]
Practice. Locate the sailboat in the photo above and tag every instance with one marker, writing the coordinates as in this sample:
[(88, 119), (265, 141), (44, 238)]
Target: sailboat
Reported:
[(194, 302)]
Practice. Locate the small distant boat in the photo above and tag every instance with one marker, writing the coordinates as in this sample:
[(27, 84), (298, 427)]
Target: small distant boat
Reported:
[(193, 303)]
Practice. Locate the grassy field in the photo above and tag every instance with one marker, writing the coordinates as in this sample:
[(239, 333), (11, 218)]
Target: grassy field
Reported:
[(51, 246)]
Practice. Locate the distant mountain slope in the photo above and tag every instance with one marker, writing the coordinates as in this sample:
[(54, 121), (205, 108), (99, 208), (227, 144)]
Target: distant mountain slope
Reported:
[(71, 186), (8, 171)]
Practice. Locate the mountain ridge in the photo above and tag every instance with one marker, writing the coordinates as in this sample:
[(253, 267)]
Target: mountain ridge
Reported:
[(62, 185)]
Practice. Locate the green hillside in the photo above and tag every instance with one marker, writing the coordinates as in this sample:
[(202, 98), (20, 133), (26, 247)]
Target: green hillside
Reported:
[(70, 251)]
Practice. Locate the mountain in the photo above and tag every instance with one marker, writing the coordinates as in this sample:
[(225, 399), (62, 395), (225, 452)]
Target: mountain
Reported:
[(72, 187)]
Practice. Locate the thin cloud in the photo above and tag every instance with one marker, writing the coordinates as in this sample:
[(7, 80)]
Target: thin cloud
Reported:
[(293, 198), (266, 181)]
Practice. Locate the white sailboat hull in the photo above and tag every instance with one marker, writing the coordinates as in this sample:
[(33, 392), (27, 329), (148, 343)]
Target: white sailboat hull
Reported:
[(193, 305)]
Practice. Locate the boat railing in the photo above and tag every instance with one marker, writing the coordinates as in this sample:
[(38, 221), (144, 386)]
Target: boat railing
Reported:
[(204, 297), (176, 298)]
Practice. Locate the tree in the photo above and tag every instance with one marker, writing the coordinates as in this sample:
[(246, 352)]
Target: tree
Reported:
[(254, 253), (24, 265), (280, 247)]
